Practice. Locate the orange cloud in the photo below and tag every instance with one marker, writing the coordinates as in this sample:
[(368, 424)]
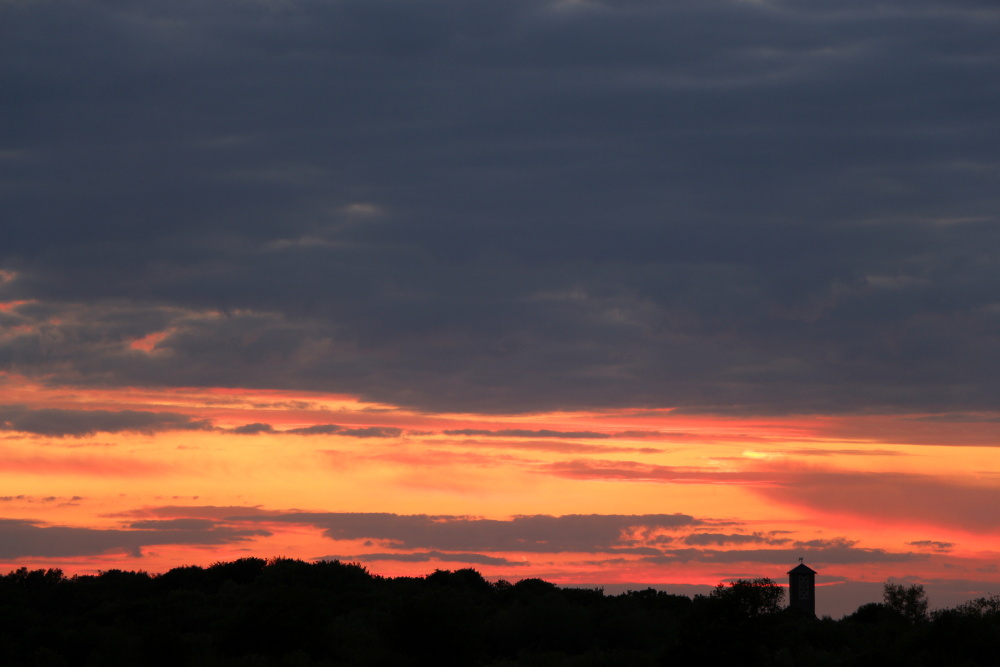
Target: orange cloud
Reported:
[(72, 464), (149, 342)]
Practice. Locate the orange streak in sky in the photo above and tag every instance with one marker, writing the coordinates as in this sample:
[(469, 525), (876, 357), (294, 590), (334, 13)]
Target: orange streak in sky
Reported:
[(117, 466), (149, 342), (7, 306)]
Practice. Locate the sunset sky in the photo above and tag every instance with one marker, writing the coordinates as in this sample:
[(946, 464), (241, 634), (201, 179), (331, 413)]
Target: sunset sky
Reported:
[(607, 292)]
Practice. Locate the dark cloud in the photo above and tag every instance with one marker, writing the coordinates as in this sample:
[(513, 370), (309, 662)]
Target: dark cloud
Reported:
[(831, 555), (508, 205), (959, 418), (62, 500), (826, 543), (426, 556), (721, 539), (173, 524), (55, 422), (537, 533), (933, 545), (21, 538), (652, 538), (318, 429), (373, 432), (322, 429), (252, 429)]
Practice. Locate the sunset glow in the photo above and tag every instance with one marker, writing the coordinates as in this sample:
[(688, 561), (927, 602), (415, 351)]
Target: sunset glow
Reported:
[(609, 293), (154, 479)]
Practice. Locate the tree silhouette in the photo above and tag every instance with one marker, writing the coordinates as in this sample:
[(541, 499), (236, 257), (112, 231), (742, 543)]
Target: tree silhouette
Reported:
[(909, 601), (284, 613), (750, 598)]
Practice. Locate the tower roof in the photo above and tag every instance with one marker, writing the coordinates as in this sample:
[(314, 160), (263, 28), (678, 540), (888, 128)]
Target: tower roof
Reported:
[(801, 569)]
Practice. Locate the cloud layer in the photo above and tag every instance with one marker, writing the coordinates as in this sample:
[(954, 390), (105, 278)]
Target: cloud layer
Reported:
[(508, 205), (541, 533), (21, 538), (653, 539), (56, 422)]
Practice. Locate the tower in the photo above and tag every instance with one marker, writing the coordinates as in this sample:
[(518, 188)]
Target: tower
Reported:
[(802, 589)]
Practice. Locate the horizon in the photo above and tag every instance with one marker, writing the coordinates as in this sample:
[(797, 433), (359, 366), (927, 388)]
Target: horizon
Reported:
[(583, 290), (848, 596)]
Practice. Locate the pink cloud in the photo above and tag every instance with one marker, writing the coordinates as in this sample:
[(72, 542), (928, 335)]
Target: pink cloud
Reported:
[(888, 496), (42, 464)]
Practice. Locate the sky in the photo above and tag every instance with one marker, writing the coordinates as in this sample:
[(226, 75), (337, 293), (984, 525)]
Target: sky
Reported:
[(618, 293)]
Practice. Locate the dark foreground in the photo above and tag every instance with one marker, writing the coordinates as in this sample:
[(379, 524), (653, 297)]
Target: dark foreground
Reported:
[(290, 613)]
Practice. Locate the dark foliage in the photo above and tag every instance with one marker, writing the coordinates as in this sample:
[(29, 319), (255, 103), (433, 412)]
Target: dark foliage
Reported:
[(289, 613), (748, 598)]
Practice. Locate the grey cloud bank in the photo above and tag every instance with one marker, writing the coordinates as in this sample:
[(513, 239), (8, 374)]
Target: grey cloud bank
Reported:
[(56, 422), (22, 538), (422, 538), (508, 206), (594, 533), (427, 556)]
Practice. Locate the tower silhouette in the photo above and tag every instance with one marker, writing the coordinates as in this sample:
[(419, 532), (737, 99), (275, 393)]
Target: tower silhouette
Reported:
[(802, 589)]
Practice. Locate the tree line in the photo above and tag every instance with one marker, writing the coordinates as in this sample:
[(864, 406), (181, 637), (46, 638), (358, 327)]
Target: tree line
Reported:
[(289, 613)]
